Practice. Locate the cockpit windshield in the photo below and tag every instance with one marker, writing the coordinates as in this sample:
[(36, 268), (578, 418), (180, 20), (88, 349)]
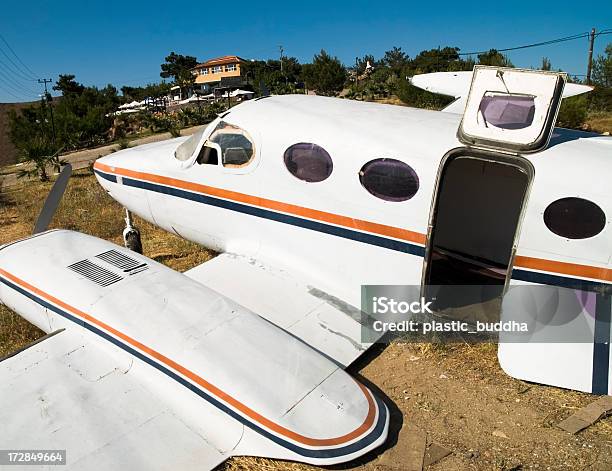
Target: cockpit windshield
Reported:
[(187, 148), (234, 145)]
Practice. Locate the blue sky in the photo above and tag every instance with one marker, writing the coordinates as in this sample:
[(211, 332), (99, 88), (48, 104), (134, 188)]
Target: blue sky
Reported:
[(123, 43)]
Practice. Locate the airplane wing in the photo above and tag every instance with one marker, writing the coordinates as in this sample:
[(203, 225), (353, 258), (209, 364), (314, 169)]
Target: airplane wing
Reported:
[(66, 393), (457, 85), (328, 324), (155, 370)]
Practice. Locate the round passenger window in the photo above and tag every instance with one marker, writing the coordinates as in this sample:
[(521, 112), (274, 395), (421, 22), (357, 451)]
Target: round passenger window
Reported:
[(308, 162), (389, 179), (574, 218)]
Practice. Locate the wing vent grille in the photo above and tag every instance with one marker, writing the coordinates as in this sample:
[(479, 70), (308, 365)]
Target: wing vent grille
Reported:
[(122, 261), (95, 273)]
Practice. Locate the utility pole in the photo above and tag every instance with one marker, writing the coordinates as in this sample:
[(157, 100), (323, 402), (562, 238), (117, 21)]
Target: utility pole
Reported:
[(590, 63), (280, 48), (48, 99)]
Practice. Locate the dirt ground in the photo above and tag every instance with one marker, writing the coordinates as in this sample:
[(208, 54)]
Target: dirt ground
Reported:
[(456, 394)]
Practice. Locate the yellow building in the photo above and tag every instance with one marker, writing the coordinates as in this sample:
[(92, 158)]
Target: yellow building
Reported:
[(209, 73)]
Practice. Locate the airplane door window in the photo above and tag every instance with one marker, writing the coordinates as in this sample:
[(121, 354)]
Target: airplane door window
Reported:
[(507, 111)]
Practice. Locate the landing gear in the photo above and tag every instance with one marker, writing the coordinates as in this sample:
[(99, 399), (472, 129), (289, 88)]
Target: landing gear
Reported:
[(131, 235)]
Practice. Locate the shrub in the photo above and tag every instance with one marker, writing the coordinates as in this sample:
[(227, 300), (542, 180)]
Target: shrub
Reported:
[(414, 96), (600, 99), (573, 112), (175, 131), (40, 152)]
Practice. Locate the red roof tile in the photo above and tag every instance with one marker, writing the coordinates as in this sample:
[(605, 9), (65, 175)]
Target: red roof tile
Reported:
[(220, 61)]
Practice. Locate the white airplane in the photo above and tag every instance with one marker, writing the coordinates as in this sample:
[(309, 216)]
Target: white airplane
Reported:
[(307, 199)]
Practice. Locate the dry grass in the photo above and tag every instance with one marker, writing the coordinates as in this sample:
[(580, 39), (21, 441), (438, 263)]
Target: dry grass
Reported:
[(457, 393), (600, 122)]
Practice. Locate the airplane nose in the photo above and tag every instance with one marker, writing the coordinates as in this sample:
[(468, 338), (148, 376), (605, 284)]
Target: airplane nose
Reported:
[(111, 160), (119, 173)]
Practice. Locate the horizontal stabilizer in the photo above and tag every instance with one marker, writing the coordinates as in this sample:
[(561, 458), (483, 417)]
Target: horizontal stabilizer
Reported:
[(457, 85)]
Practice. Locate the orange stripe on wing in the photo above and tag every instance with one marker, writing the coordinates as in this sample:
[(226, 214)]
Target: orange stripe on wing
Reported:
[(358, 224), (255, 416)]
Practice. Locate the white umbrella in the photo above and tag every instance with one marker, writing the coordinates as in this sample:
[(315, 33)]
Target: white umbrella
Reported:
[(242, 92)]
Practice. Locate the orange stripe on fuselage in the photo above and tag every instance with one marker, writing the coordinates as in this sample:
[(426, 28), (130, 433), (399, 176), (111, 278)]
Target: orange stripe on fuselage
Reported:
[(345, 221), (566, 268), (247, 411), (562, 268)]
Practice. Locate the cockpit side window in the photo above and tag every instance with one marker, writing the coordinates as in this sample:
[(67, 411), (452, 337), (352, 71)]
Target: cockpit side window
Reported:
[(187, 148), (208, 155), (236, 145)]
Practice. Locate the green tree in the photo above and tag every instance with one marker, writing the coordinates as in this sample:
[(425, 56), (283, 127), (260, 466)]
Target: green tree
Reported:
[(546, 65), (495, 58), (602, 68), (438, 60), (326, 74), (152, 90), (67, 85), (83, 117), (361, 63), (395, 59), (267, 74), (178, 67), (30, 132)]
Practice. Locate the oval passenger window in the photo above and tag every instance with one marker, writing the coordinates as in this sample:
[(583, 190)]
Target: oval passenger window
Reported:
[(574, 218), (308, 162), (389, 179)]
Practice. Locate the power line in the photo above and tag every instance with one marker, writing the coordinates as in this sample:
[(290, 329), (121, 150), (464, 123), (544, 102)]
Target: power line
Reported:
[(15, 84), (14, 70), (526, 46), (20, 98), (8, 83), (33, 75)]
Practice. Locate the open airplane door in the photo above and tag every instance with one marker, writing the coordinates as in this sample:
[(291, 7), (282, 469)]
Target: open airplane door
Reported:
[(481, 196), (511, 109), (567, 341)]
